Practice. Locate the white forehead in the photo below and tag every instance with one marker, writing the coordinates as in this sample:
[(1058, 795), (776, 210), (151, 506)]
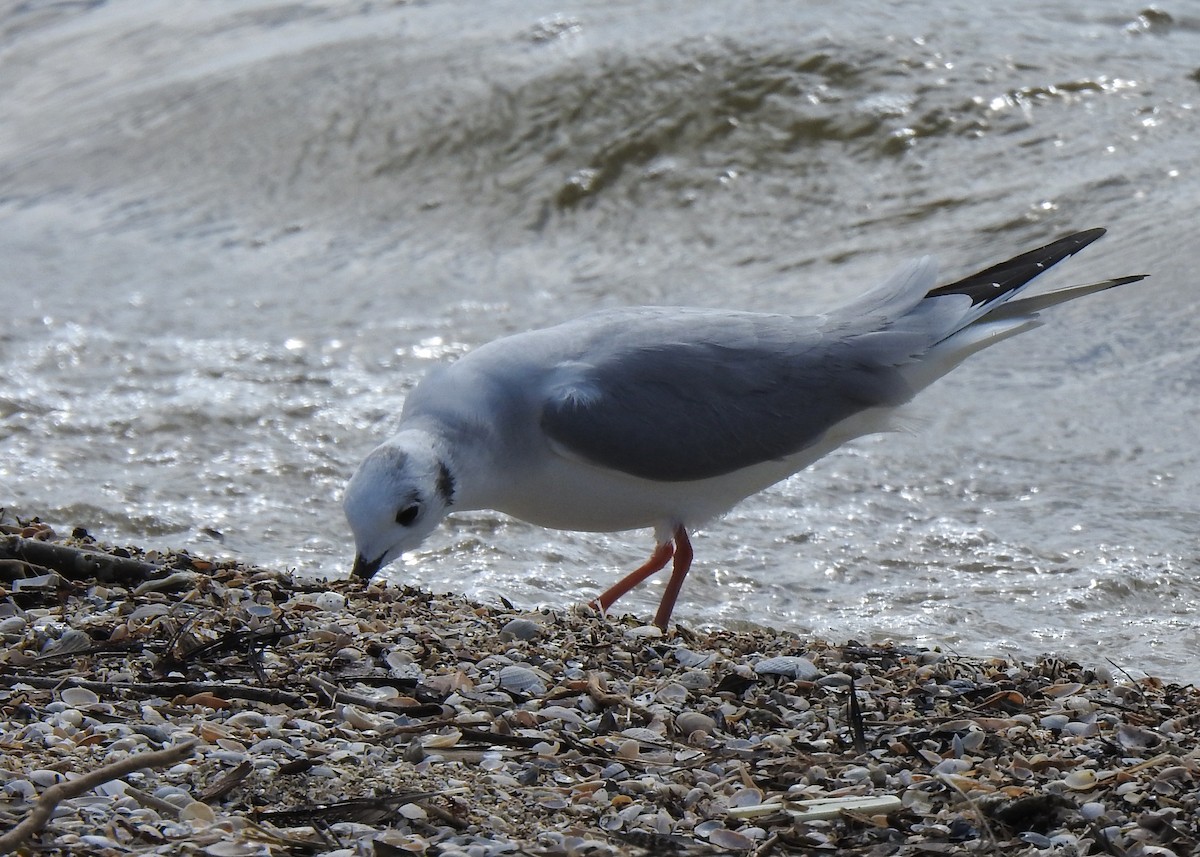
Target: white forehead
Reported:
[(376, 485)]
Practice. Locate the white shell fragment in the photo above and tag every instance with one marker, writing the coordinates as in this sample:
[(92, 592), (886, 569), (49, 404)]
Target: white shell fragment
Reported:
[(521, 680), (818, 809), (79, 697)]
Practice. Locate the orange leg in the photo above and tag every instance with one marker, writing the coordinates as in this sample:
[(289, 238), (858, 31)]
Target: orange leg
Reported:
[(680, 548), (657, 560), (679, 570)]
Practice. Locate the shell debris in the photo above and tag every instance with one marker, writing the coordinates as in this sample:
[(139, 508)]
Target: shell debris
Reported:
[(330, 712)]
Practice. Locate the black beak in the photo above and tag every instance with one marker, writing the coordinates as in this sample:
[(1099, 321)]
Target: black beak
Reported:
[(365, 569)]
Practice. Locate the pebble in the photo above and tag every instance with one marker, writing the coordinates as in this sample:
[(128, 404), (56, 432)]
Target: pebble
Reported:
[(520, 629), (695, 680), (332, 601), (688, 722)]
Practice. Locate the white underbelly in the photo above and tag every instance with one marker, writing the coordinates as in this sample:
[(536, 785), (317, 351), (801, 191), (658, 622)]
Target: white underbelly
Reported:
[(576, 496)]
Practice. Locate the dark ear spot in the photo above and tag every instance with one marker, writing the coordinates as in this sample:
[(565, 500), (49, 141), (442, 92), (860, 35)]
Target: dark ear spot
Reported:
[(445, 484)]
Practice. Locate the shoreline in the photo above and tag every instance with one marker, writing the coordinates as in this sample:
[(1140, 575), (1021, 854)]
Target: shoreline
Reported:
[(325, 718)]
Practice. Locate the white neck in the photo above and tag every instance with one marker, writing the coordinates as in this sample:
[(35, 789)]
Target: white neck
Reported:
[(466, 458)]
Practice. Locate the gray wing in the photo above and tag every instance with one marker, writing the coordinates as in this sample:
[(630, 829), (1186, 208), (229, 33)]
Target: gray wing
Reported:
[(698, 394), (732, 391)]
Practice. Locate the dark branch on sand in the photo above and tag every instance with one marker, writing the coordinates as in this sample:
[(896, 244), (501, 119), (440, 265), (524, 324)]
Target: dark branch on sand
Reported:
[(159, 688), (75, 564)]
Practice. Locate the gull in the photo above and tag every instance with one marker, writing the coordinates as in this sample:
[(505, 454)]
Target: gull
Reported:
[(666, 417)]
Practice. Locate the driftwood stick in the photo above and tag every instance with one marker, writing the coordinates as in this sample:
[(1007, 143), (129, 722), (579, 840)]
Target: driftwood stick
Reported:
[(226, 783), (335, 694), (159, 688), (162, 807), (601, 696), (57, 793), (75, 564)]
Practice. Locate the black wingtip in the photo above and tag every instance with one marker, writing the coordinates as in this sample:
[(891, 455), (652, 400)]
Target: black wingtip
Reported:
[(999, 280)]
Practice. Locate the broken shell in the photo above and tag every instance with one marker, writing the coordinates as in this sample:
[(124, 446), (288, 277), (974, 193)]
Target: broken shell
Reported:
[(644, 632), (1083, 779), (522, 680), (44, 778), (520, 629), (79, 697), (148, 611), (690, 659), (1065, 689), (359, 719), (789, 666), (441, 741), (70, 642), (672, 694), (199, 812), (177, 580), (1131, 736), (629, 750), (730, 839)]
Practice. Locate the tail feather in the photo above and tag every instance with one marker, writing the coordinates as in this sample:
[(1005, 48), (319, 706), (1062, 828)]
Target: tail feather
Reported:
[(1036, 303), (954, 349), (995, 312)]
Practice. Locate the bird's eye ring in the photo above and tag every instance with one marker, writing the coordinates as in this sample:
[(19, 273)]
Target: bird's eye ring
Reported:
[(408, 514)]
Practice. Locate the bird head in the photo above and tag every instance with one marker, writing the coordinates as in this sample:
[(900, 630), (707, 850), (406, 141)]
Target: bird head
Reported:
[(395, 499)]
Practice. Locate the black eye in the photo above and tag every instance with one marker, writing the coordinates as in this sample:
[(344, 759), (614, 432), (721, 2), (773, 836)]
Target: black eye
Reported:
[(408, 514)]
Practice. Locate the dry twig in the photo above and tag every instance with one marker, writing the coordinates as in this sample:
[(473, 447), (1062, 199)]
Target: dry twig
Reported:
[(57, 793), (159, 688)]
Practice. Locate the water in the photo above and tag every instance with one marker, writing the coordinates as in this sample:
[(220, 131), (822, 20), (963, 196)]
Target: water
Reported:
[(234, 234)]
